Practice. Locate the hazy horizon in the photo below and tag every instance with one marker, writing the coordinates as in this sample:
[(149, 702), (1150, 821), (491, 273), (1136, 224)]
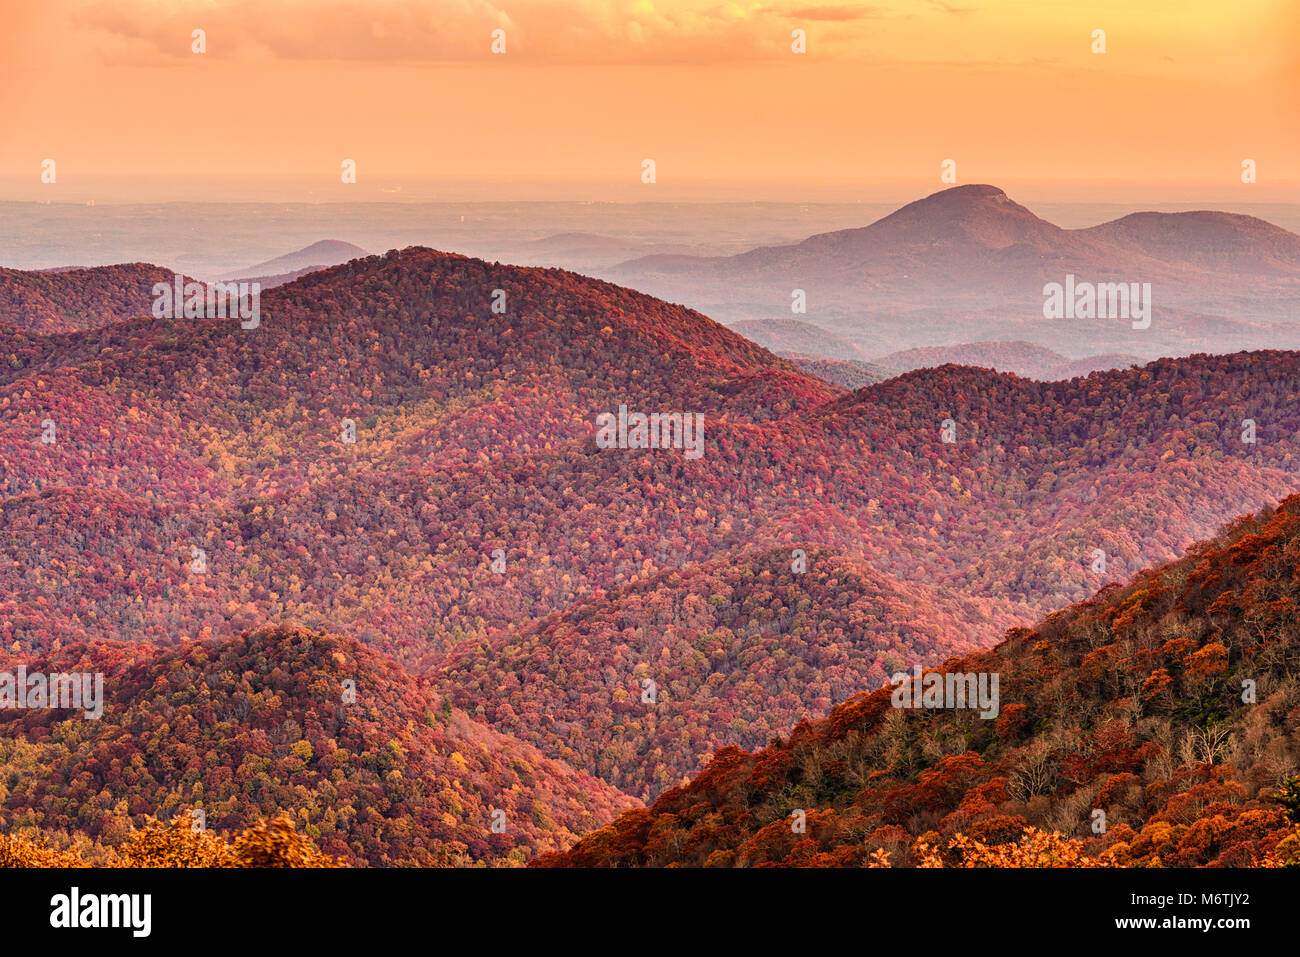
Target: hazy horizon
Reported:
[(179, 233), (889, 189)]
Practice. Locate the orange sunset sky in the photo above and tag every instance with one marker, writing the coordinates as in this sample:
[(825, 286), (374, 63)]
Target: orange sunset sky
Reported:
[(710, 90)]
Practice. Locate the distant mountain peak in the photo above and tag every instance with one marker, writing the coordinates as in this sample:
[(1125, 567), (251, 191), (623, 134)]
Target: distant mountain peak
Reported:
[(969, 190), (324, 252), (977, 218), (1205, 239), (960, 203)]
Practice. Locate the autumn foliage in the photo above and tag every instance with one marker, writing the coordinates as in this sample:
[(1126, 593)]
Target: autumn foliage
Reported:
[(381, 771), (521, 690), (1091, 762), (273, 843)]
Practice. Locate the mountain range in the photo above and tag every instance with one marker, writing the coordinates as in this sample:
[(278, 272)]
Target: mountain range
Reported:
[(969, 264), (395, 480)]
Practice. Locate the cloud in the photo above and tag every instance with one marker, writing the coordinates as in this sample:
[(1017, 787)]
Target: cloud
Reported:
[(950, 9), (553, 31), (835, 14)]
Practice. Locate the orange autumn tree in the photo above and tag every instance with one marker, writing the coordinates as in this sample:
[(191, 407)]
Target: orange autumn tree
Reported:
[(274, 843)]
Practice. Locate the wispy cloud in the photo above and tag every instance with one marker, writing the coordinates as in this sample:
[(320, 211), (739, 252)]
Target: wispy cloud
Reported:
[(837, 14), (948, 8), (559, 31)]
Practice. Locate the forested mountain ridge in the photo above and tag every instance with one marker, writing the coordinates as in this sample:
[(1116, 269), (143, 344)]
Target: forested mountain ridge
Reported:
[(1154, 725), (69, 300), (372, 766)]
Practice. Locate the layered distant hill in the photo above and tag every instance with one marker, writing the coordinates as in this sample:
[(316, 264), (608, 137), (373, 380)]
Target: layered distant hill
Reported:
[(846, 373), (804, 338), (1023, 358), (816, 351), (295, 265), (201, 480), (587, 252), (1155, 725), (969, 264), (327, 252), (1211, 241)]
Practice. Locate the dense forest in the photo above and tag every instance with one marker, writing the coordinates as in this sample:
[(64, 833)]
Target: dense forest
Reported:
[(68, 300), (474, 432), (639, 685), (368, 764)]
